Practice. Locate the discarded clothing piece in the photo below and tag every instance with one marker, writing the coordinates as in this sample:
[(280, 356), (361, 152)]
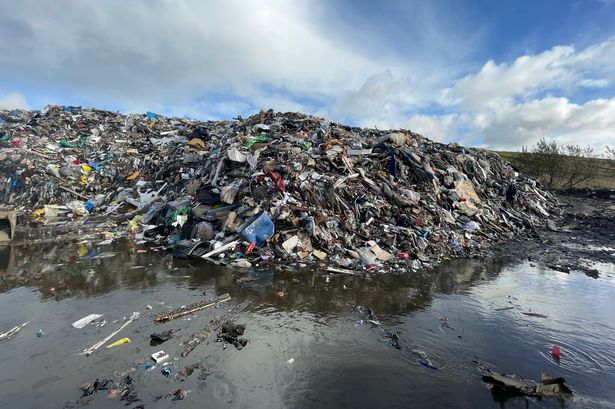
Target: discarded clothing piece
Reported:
[(185, 372), (158, 338), (231, 332)]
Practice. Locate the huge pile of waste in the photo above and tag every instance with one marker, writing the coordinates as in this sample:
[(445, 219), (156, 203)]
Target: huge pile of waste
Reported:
[(274, 186)]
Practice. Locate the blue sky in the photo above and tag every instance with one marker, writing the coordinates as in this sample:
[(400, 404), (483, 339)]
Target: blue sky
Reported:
[(499, 74)]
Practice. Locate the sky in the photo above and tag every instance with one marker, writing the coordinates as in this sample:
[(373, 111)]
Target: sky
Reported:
[(495, 74)]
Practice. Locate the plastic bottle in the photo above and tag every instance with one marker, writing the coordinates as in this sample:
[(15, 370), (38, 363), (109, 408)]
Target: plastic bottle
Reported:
[(94, 202)]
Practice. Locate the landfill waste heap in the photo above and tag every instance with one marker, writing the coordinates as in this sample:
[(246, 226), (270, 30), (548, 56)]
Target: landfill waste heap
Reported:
[(281, 187)]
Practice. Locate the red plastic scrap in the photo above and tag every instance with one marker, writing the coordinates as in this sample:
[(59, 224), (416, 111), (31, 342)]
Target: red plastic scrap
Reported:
[(277, 179), (403, 255), (556, 351), (250, 248), (179, 394)]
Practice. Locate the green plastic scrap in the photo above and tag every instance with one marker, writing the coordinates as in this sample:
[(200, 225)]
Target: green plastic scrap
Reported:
[(305, 146), (5, 137), (182, 211), (252, 140), (68, 144)]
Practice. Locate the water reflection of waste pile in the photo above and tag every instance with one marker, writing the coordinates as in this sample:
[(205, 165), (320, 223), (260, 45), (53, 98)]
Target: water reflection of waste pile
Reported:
[(305, 344)]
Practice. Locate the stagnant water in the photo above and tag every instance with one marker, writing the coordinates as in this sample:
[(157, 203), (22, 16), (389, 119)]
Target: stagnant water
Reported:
[(308, 347)]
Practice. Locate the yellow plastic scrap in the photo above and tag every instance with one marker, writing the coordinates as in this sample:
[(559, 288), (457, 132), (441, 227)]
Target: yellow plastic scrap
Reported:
[(133, 225), (37, 214), (84, 180), (83, 251), (197, 143), (120, 341), (133, 176), (86, 168)]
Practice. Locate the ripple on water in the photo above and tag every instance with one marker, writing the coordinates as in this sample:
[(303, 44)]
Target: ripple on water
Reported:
[(584, 356), (222, 388)]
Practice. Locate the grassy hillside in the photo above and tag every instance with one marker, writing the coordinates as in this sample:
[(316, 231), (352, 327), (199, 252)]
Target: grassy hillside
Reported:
[(604, 178)]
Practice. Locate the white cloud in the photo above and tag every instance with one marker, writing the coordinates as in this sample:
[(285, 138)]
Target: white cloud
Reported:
[(381, 97), (13, 100), (437, 127), (377, 100), (560, 68), (175, 51), (272, 54), (502, 105), (526, 75), (511, 126), (516, 104)]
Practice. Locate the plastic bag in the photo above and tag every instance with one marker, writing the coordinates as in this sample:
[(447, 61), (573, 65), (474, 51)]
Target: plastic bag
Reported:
[(259, 229)]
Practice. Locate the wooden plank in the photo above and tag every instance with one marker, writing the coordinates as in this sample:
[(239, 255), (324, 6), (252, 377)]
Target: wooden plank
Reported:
[(192, 308)]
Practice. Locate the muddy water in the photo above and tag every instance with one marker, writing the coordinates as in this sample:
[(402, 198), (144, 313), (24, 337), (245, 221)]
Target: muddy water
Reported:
[(308, 347)]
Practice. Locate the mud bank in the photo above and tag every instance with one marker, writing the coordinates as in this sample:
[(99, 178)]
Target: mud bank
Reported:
[(580, 239)]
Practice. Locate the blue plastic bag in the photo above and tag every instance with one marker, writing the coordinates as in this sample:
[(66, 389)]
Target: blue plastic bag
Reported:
[(259, 229)]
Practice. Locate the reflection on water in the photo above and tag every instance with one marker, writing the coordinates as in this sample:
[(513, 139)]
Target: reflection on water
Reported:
[(308, 347), (83, 270)]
